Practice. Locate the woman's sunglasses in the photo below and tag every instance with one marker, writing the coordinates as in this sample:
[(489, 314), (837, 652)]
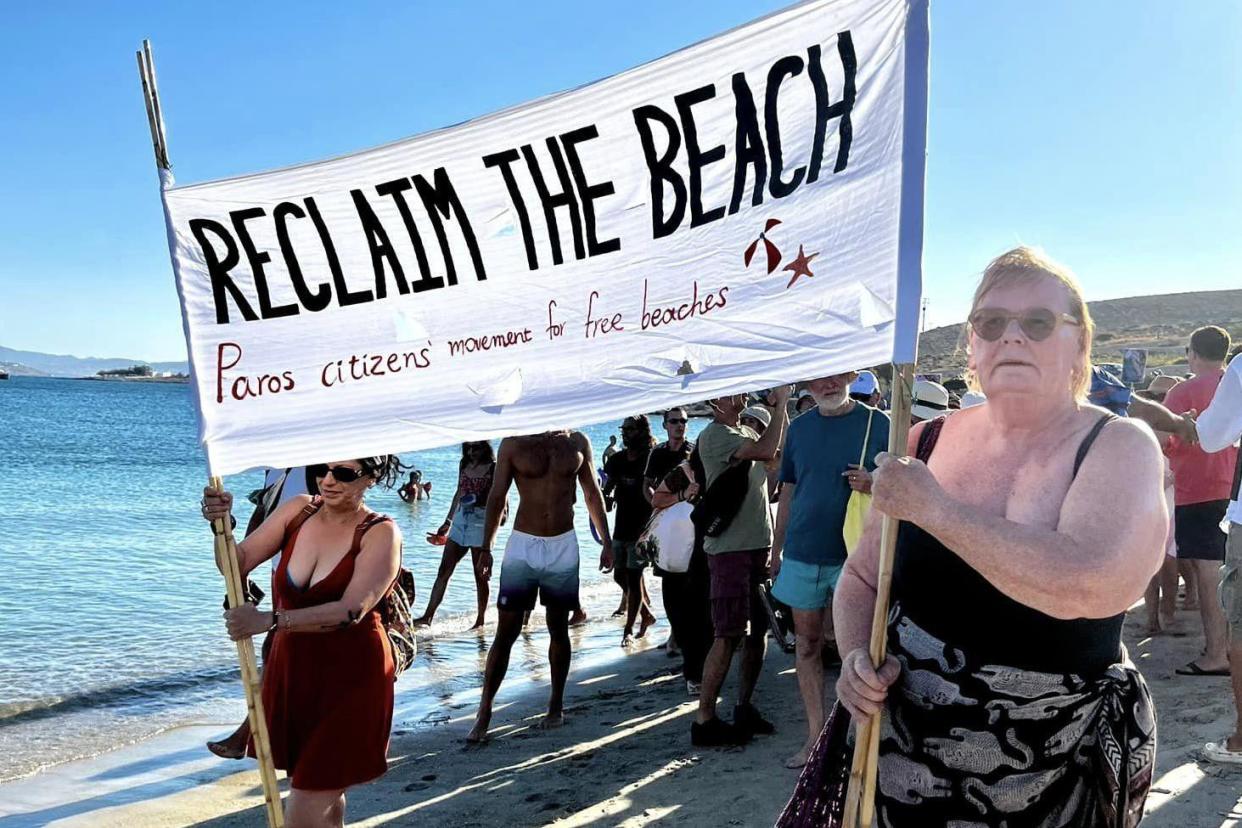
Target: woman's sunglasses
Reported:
[(1037, 323), (343, 474)]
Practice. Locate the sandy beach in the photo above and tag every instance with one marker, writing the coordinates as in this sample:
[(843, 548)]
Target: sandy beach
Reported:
[(623, 759)]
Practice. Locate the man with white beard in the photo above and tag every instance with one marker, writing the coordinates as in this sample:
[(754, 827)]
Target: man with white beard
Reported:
[(829, 453)]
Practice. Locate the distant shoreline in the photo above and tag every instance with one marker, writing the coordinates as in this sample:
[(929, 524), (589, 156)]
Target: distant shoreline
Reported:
[(175, 380)]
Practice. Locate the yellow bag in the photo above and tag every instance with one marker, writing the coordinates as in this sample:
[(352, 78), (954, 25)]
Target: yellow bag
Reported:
[(859, 503)]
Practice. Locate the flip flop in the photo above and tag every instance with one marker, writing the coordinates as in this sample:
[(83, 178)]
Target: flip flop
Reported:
[(1220, 752), (1193, 669)]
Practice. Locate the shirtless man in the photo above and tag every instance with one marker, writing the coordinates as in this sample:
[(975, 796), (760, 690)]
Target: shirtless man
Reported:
[(541, 557)]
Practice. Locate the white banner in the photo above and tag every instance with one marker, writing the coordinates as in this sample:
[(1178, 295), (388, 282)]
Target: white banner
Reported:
[(742, 213)]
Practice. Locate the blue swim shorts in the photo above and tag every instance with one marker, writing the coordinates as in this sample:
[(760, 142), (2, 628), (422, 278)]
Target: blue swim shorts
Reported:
[(805, 586)]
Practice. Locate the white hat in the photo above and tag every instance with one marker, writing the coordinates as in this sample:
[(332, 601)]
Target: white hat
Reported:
[(758, 412), (931, 400), (973, 398), (866, 384)]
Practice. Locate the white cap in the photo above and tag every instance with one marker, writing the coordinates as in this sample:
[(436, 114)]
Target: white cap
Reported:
[(973, 398), (866, 384)]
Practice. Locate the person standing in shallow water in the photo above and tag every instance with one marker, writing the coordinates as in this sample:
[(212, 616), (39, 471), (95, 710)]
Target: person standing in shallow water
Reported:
[(464, 527), (328, 685), (610, 449), (624, 487), (541, 557)]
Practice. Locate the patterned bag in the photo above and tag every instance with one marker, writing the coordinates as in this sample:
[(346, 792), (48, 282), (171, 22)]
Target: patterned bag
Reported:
[(396, 611)]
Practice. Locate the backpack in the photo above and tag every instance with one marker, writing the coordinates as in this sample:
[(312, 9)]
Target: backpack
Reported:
[(719, 505)]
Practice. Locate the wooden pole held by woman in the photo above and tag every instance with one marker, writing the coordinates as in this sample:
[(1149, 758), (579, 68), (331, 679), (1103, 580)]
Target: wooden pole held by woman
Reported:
[(860, 796), (225, 545)]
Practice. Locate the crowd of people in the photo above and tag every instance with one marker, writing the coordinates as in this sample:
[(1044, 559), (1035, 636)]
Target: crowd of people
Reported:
[(1040, 499)]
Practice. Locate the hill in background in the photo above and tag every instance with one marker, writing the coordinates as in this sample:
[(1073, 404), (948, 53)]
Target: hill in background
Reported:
[(33, 363), (1161, 324)]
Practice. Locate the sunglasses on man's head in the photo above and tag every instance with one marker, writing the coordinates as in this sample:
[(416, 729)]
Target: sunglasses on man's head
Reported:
[(1037, 323), (343, 474)]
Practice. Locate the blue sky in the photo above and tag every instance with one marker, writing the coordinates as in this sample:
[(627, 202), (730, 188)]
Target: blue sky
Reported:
[(1108, 132)]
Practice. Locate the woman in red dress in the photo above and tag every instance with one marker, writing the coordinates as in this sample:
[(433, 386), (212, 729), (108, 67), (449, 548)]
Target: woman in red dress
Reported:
[(328, 683)]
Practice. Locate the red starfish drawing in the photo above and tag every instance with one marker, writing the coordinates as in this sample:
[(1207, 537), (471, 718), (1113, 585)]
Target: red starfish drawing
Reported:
[(800, 267)]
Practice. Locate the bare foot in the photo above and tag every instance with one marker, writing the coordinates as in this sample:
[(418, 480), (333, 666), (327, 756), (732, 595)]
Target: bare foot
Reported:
[(478, 733), (227, 750), (798, 760), (1171, 627), (234, 745), (627, 638), (421, 621), (552, 721), (648, 620), (478, 623), (578, 618)]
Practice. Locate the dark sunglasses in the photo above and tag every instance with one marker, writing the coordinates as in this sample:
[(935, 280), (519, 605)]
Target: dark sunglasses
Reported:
[(343, 474), (676, 421), (1037, 323)]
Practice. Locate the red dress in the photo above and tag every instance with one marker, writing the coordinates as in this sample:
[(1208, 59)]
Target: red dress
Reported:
[(328, 696)]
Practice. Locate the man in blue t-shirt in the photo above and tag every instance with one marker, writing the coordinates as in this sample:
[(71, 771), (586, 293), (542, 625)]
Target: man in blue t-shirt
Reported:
[(829, 452)]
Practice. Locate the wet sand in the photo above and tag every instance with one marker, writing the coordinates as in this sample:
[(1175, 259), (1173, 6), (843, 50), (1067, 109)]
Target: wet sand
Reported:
[(623, 758)]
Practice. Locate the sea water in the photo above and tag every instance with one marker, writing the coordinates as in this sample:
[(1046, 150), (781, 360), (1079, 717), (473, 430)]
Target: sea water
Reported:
[(110, 602)]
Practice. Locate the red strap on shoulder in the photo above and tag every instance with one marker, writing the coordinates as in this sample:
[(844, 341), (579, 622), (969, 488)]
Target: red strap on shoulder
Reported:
[(927, 440), (373, 519), (302, 516)]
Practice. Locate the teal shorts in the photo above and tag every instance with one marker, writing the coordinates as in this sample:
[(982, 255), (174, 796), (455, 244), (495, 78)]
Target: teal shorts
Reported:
[(806, 586)]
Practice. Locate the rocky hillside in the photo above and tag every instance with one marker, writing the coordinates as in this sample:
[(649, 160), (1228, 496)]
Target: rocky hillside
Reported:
[(33, 363), (1161, 324)]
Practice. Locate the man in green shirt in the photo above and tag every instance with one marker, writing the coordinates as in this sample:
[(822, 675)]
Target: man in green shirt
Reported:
[(738, 561)]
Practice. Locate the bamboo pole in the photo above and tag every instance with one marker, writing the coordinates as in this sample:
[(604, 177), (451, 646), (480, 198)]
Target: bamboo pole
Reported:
[(860, 796), (252, 681), (224, 543)]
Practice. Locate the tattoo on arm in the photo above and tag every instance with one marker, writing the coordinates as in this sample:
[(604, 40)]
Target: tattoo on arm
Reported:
[(351, 618)]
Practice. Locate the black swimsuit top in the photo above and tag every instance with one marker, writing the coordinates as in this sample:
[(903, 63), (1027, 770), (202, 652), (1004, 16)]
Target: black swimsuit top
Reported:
[(947, 597)]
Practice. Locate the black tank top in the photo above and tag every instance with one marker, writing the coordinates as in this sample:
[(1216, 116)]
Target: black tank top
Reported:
[(947, 597)]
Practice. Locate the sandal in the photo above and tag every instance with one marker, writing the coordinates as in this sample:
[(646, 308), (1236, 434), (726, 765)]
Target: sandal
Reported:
[(1193, 669), (1220, 752)]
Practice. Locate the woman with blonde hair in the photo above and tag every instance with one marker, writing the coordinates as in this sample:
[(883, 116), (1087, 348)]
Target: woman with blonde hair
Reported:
[(1009, 697)]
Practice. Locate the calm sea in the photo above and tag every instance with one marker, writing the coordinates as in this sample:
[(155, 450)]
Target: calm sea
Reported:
[(110, 598)]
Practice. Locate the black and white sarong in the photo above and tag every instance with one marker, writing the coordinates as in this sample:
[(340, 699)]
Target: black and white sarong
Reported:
[(973, 745)]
